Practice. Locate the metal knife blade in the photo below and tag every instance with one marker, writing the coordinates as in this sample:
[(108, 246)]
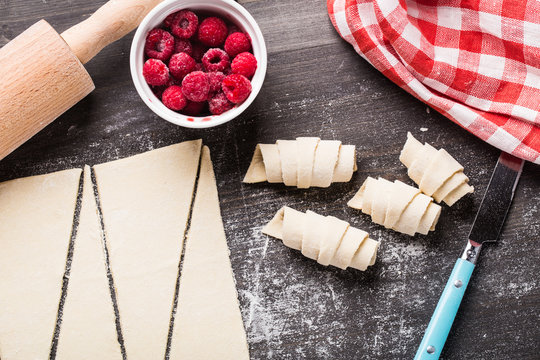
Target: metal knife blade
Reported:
[(497, 199)]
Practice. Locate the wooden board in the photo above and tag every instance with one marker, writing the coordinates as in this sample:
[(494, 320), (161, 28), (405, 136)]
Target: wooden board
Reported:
[(316, 85)]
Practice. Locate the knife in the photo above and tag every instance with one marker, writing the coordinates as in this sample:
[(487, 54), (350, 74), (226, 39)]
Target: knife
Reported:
[(486, 228)]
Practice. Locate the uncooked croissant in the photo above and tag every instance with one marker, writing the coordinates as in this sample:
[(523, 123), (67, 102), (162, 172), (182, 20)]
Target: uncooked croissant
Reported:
[(436, 172), (397, 206), (304, 162), (326, 239)]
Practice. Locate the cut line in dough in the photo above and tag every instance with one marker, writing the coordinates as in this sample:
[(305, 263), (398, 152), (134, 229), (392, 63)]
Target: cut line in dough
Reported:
[(436, 172), (397, 206), (304, 162), (328, 240)]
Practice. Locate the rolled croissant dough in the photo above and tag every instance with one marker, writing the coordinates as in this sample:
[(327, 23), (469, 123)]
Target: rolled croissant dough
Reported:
[(304, 162), (435, 172), (145, 201), (397, 206), (208, 324), (36, 217), (88, 328), (327, 240)]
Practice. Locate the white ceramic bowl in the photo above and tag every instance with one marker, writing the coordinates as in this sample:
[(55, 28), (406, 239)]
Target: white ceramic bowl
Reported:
[(227, 9)]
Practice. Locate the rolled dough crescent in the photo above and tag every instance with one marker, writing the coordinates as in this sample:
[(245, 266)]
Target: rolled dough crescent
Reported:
[(304, 162), (397, 206), (34, 240), (436, 172), (328, 240)]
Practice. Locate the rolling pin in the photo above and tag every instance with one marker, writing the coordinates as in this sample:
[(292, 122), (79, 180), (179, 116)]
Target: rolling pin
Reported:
[(42, 73)]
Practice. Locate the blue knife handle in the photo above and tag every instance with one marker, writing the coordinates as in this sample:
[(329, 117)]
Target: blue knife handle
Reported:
[(445, 312)]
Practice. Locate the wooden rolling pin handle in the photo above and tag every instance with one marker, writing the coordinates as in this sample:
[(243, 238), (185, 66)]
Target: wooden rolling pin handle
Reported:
[(109, 23)]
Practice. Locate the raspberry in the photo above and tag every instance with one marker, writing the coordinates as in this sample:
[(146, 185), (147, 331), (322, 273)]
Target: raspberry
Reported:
[(182, 45), (219, 103), (193, 108), (237, 43), (168, 20), (244, 64), (180, 65), (216, 60), (213, 32), (173, 98), (236, 87), (198, 51), (155, 72), (195, 86), (159, 44), (184, 24), (215, 79)]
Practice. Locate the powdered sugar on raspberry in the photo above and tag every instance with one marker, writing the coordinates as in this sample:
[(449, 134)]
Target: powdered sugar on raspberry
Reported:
[(212, 32), (159, 44), (216, 59), (155, 72), (236, 87), (237, 43), (196, 86)]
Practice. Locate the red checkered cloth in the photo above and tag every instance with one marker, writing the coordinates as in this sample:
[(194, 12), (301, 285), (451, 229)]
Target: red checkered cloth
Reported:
[(477, 62)]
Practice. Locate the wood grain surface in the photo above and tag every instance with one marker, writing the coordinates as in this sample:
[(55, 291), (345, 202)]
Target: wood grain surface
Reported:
[(316, 85)]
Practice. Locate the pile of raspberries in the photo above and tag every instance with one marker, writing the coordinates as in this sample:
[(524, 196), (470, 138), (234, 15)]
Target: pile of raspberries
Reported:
[(189, 64)]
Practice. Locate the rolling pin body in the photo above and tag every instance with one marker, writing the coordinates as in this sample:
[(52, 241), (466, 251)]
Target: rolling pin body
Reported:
[(42, 72)]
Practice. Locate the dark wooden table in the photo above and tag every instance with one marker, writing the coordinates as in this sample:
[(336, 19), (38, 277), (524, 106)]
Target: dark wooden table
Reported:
[(316, 85)]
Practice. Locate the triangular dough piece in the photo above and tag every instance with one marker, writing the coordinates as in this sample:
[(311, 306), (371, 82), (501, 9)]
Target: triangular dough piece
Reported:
[(36, 218), (402, 195), (256, 172), (288, 154), (306, 147), (412, 150), (145, 200), (275, 226), (208, 324), (335, 229), (88, 329), (326, 158), (359, 201), (272, 163)]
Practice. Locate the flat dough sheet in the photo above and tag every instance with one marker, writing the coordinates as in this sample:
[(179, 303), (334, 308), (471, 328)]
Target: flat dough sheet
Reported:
[(88, 329), (208, 324), (145, 201), (36, 218)]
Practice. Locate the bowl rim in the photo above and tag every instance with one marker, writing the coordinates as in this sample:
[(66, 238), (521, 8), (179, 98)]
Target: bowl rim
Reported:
[(170, 6)]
